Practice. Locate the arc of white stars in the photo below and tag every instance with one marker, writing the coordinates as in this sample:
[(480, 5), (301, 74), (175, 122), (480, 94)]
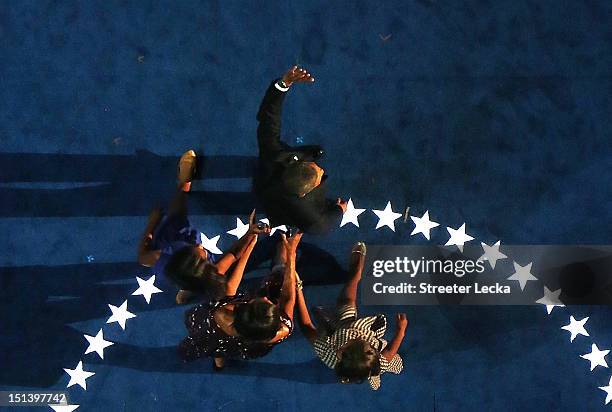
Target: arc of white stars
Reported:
[(351, 215), (210, 244), (63, 408), (492, 253), (97, 344), (423, 225), (596, 357), (550, 299), (78, 376), (240, 230), (458, 237), (522, 274), (608, 391), (576, 327), (387, 217), (120, 314), (146, 288)]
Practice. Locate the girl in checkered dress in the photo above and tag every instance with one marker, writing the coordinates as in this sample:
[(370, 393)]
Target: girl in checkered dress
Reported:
[(354, 347)]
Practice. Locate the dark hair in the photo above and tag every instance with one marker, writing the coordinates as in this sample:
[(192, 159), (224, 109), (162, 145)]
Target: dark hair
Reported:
[(190, 271), (299, 178), (257, 320), (358, 361)]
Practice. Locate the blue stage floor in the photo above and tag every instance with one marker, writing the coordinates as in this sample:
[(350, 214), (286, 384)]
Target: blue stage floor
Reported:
[(496, 114)]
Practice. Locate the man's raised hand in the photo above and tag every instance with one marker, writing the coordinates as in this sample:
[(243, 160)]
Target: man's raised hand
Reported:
[(297, 75)]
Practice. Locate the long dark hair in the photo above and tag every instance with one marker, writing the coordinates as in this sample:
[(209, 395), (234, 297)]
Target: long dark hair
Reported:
[(358, 361), (190, 271), (257, 320)]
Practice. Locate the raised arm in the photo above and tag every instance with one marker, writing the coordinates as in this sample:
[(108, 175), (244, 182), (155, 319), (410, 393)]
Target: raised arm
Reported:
[(288, 295), (391, 350), (146, 255), (235, 277), (270, 110), (306, 326), (238, 248)]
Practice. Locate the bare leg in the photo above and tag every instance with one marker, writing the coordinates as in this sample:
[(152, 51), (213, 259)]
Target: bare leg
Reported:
[(178, 204), (186, 170)]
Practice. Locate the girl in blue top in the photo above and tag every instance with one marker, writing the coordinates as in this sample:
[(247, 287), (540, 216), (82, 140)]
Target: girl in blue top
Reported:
[(172, 246)]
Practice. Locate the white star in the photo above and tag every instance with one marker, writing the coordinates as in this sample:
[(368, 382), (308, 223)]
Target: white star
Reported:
[(596, 357), (550, 299), (423, 225), (522, 274), (146, 288), (282, 228), (492, 253), (97, 344), (608, 390), (78, 376), (576, 327), (120, 314), (241, 229), (387, 217), (63, 408), (351, 214), (210, 244), (458, 237)]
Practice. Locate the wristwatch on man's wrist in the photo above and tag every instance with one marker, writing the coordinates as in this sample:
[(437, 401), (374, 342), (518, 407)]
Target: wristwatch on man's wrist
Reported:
[(282, 84)]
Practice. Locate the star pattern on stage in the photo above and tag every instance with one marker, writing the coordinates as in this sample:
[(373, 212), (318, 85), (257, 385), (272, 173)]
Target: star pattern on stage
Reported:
[(423, 225), (97, 344), (63, 408), (240, 230), (596, 357), (281, 228), (550, 299), (458, 237), (210, 244), (608, 391), (522, 274), (492, 253), (351, 215), (78, 376), (120, 314), (576, 327), (387, 217), (146, 288)]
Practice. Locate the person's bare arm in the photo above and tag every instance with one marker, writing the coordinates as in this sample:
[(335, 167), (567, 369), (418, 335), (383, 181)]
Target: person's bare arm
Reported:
[(287, 297), (238, 248), (147, 256), (401, 324), (235, 277), (306, 326)]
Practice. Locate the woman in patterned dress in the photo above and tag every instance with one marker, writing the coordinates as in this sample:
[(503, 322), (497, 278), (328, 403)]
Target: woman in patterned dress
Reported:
[(243, 326)]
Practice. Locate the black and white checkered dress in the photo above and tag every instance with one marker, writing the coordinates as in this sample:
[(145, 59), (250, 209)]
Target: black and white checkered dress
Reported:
[(347, 327)]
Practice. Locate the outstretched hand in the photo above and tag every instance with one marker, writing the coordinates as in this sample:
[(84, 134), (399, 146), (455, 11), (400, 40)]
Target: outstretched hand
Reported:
[(401, 322), (297, 75), (291, 243), (255, 227)]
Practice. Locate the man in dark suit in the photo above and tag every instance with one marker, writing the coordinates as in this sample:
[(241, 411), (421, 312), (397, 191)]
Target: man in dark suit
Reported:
[(289, 183)]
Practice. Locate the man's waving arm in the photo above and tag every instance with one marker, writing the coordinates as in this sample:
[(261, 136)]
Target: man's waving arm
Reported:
[(270, 110)]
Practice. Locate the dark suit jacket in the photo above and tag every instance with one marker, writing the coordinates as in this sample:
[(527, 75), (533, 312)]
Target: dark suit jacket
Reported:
[(312, 213)]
